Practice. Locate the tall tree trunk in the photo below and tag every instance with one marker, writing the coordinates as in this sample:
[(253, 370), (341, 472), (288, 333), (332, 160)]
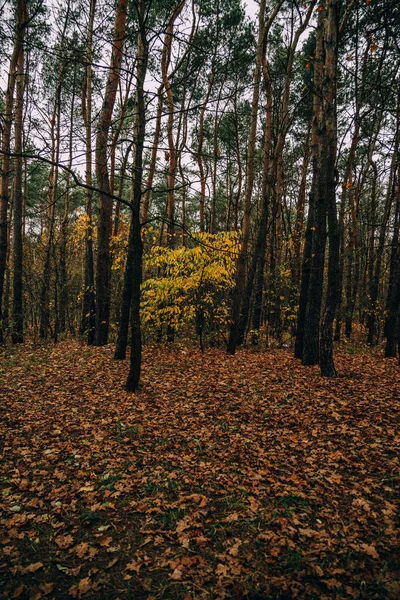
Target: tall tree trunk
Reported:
[(392, 325), (87, 325), (374, 283), (240, 278), (6, 146), (348, 190), (135, 248), (153, 158), (256, 269), (103, 270), (327, 134), (18, 314), (300, 209), (45, 324), (311, 323), (64, 300)]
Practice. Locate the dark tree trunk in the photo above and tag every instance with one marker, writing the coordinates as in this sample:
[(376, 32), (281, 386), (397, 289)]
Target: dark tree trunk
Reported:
[(88, 320), (135, 252), (326, 185), (305, 280), (314, 294), (392, 324), (374, 284), (18, 315), (103, 271), (6, 147)]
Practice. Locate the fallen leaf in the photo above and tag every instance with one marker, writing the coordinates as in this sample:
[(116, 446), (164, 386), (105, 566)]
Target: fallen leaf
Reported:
[(176, 575), (64, 541), (32, 568)]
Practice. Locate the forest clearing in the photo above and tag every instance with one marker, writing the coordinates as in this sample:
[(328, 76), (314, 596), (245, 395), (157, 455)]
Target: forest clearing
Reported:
[(246, 476)]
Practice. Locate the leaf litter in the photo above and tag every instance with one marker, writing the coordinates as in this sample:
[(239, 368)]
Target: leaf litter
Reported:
[(224, 477)]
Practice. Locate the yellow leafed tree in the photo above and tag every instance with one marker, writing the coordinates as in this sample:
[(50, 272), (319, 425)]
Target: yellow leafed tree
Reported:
[(193, 285)]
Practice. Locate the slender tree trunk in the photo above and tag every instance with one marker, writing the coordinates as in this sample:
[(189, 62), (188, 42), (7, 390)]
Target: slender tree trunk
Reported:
[(64, 299), (6, 146), (374, 284), (117, 214), (123, 329), (153, 158), (240, 278), (392, 325), (18, 314), (300, 208), (256, 269), (135, 249), (87, 325), (45, 324), (103, 270)]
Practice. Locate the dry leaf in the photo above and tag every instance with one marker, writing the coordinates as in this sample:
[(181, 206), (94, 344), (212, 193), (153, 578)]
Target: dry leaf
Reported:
[(32, 568), (64, 541)]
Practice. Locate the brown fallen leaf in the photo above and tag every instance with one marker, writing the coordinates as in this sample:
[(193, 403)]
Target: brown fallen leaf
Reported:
[(46, 588), (370, 550), (32, 568), (112, 563), (18, 591), (234, 550), (133, 566), (105, 540), (81, 549), (64, 541), (84, 586), (221, 570), (176, 575)]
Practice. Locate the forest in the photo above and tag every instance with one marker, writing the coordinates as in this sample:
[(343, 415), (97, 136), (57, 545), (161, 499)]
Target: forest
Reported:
[(199, 299)]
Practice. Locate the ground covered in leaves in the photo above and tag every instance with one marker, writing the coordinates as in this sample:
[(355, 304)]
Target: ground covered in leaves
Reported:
[(225, 477)]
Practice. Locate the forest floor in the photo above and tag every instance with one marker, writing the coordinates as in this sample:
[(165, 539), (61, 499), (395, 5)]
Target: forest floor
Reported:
[(224, 477)]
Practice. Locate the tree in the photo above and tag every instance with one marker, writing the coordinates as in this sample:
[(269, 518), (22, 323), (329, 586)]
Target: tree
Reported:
[(15, 61), (103, 270), (18, 315)]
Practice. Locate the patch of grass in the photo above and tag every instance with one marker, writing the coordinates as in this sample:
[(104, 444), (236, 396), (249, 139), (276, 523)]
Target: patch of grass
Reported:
[(107, 481), (292, 561), (124, 431), (90, 517), (169, 519), (290, 502)]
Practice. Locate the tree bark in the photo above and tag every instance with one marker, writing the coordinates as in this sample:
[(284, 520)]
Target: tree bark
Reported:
[(310, 354), (87, 325), (135, 248), (18, 313), (327, 133), (6, 147), (103, 270), (240, 277)]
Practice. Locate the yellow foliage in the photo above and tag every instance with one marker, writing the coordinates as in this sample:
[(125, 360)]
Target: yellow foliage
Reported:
[(194, 282)]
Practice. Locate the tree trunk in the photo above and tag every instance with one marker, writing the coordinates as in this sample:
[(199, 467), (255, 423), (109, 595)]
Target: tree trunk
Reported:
[(87, 326), (64, 300), (135, 249), (6, 146), (103, 271), (240, 278), (327, 133), (374, 283), (18, 314), (310, 355), (392, 324)]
